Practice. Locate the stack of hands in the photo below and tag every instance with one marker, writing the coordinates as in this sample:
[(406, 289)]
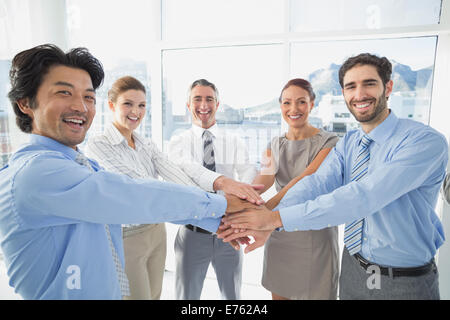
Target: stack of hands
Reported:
[(246, 216)]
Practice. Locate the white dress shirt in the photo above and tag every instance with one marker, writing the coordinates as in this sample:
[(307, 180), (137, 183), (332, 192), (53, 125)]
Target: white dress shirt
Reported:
[(230, 154)]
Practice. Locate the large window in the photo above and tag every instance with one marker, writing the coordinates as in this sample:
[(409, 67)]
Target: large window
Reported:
[(112, 31), (203, 19), (248, 78), (412, 59)]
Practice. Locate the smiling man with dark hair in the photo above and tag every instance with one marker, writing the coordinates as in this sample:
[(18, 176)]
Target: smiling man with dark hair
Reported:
[(382, 182), (61, 213)]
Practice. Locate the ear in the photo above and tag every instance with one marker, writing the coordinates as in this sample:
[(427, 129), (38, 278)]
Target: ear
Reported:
[(111, 106), (389, 87), (312, 106), (24, 106)]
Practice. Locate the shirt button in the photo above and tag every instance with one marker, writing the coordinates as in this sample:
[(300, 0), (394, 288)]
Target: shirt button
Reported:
[(295, 229), (213, 214), (195, 217), (365, 239), (329, 225)]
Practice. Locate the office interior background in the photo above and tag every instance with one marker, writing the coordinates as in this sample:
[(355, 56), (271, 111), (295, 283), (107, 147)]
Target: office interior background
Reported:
[(249, 49)]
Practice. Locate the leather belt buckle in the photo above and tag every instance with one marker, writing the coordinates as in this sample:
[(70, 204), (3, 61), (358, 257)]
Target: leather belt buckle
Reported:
[(197, 229), (364, 263)]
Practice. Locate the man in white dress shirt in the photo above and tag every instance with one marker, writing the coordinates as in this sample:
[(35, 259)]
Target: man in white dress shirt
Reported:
[(205, 145)]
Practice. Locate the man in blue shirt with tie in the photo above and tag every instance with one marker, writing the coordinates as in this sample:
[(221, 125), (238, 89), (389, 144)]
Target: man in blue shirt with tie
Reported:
[(382, 181), (61, 214)]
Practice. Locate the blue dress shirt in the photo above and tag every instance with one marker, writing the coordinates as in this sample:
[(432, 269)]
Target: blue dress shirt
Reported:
[(397, 197), (53, 212)]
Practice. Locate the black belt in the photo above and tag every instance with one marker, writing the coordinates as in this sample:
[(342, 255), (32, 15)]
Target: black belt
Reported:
[(197, 229), (398, 272)]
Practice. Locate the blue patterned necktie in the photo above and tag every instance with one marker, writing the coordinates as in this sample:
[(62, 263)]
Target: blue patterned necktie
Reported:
[(353, 231), (122, 277), (208, 151)]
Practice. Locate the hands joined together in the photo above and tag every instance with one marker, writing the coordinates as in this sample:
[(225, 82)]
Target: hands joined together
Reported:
[(245, 219)]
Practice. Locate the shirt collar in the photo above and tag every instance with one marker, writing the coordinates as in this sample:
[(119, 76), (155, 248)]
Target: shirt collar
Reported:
[(384, 130), (54, 145), (198, 131), (138, 139), (115, 137), (113, 134)]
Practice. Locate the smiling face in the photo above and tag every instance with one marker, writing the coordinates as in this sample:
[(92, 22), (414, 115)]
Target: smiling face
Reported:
[(129, 110), (65, 105), (203, 106), (366, 95), (296, 105)]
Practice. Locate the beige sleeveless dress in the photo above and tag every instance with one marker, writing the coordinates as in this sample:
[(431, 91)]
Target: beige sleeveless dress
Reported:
[(301, 264)]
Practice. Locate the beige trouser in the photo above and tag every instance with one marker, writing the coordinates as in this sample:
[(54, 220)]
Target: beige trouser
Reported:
[(145, 259)]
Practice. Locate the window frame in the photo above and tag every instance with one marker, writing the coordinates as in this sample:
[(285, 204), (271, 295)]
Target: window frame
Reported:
[(441, 30)]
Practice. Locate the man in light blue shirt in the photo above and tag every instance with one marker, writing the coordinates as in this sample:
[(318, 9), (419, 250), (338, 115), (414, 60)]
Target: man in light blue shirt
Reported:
[(61, 214), (394, 200)]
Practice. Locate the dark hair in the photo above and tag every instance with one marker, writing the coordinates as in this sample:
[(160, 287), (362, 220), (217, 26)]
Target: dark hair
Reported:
[(302, 83), (124, 84), (203, 83), (30, 66), (383, 66)]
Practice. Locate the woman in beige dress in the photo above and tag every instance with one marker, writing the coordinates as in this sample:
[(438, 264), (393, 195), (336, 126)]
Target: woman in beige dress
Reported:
[(301, 264)]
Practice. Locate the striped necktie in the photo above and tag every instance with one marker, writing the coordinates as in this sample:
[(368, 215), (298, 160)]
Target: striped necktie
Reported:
[(353, 231), (122, 277), (208, 151)]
